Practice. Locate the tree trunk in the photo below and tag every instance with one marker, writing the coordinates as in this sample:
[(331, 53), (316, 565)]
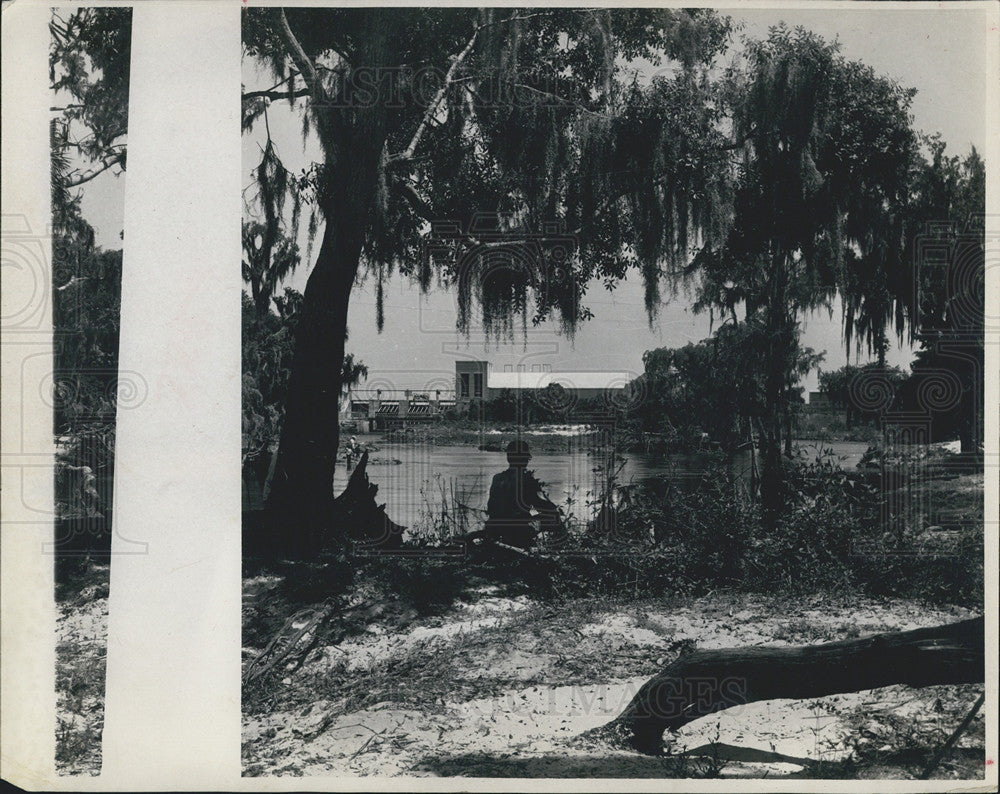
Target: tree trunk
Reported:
[(299, 505), (771, 480), (299, 513), (882, 346), (705, 682), (780, 342), (754, 473), (970, 427), (788, 431)]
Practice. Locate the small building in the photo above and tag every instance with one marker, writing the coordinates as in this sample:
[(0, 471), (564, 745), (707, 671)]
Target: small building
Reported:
[(471, 380)]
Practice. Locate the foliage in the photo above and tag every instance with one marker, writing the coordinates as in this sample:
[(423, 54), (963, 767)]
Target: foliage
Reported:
[(832, 536), (826, 146), (553, 403), (267, 354), (85, 319), (863, 393), (714, 388), (269, 257), (506, 406), (86, 323), (950, 255), (89, 59)]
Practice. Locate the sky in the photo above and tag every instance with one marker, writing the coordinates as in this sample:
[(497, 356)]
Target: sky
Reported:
[(941, 52)]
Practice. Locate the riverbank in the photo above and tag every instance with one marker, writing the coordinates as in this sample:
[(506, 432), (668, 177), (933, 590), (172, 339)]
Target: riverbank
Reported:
[(489, 436), (825, 426), (832, 426), (491, 664), (430, 474)]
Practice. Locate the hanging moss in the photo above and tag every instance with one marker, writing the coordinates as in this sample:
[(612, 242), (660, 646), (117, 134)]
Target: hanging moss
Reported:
[(584, 175)]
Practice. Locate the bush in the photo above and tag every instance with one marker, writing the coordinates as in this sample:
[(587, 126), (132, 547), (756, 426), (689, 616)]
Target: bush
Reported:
[(832, 537)]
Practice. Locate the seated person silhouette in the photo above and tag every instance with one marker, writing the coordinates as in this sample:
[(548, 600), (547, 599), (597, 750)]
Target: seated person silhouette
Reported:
[(513, 494)]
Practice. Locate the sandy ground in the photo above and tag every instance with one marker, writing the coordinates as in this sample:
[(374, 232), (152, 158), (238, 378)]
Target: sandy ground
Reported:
[(81, 653), (504, 687)]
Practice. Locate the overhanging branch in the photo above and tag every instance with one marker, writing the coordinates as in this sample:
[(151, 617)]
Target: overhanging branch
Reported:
[(273, 92), (106, 163), (275, 95), (449, 77), (305, 66)]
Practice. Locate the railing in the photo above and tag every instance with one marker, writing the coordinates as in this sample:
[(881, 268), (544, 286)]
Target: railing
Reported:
[(393, 395)]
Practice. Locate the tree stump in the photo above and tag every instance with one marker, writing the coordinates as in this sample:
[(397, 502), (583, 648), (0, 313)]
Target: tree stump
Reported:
[(359, 518)]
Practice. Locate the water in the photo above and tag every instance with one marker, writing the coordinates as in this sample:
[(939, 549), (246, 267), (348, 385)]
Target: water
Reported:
[(428, 473)]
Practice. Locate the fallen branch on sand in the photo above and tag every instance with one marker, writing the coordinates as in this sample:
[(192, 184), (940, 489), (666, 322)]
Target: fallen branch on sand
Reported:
[(307, 625), (705, 682)]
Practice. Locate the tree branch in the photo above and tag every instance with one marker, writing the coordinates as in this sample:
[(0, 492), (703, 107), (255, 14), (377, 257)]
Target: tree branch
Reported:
[(275, 95), (419, 206), (306, 67), (106, 163), (85, 145), (613, 199), (562, 100), (272, 92), (546, 13), (449, 77)]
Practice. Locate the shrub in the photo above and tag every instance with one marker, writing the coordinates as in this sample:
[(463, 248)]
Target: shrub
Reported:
[(831, 537)]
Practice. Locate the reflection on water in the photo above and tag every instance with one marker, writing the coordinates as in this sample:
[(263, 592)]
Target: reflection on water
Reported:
[(426, 472)]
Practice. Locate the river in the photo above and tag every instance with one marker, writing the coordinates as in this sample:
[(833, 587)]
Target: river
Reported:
[(415, 487)]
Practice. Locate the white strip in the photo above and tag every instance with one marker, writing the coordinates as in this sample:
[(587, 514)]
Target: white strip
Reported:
[(173, 694), (27, 620)]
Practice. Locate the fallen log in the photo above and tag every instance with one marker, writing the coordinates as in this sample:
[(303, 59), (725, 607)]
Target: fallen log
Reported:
[(705, 682)]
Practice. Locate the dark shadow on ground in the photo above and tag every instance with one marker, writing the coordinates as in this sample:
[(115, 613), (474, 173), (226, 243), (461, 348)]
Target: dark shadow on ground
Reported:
[(703, 762), (699, 762), (549, 765)]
